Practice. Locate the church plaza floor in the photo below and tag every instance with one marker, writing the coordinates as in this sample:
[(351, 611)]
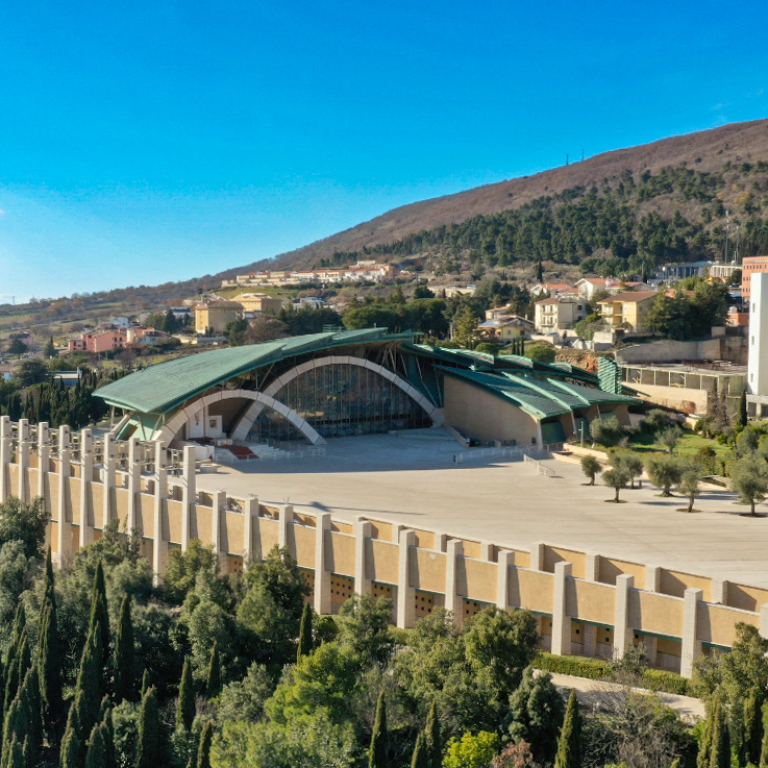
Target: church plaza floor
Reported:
[(412, 479)]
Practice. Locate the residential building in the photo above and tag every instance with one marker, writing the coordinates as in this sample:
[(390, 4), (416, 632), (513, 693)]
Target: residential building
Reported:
[(751, 265), (309, 302), (180, 313), (724, 272), (120, 322), (505, 330), (216, 315), (628, 309), (363, 271), (105, 338), (675, 272), (559, 313), (553, 289), (142, 336), (6, 371), (259, 303)]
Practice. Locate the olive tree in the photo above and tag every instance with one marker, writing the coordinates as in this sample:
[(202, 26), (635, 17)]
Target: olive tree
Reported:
[(664, 471), (690, 483), (749, 477), (591, 467), (616, 478), (670, 437)]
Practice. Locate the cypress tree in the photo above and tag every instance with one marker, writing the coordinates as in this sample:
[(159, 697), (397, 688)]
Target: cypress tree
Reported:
[(741, 418), (378, 752), (705, 746), (90, 687), (764, 745), (71, 750), (185, 707), (11, 668), (421, 756), (149, 732), (124, 679), (107, 732), (49, 654), (569, 745), (17, 670), (432, 738), (204, 747), (100, 612), (305, 633), (720, 746), (96, 756), (29, 697), (14, 727), (15, 757), (144, 683), (753, 730), (213, 684)]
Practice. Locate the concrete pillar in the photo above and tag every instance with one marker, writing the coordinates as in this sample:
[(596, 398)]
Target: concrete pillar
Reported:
[(651, 648), (691, 646), (22, 458), (488, 552), (622, 632), (159, 541), (250, 550), (64, 528), (322, 596), (86, 477), (720, 591), (188, 493), (441, 542), (363, 532), (43, 459), (505, 560), (219, 502), (108, 480), (537, 556), (561, 622), (652, 578), (592, 566), (453, 600), (406, 594), (285, 529), (590, 640), (134, 483), (764, 621), (6, 448)]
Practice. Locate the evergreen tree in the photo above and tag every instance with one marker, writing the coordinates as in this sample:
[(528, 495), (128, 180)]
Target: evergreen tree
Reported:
[(17, 669), (49, 654), (29, 698), (421, 756), (741, 418), (11, 666), (764, 745), (14, 727), (100, 612), (204, 747), (433, 739), (145, 683), (15, 757), (108, 736), (569, 746), (752, 731), (379, 749), (720, 744), (124, 665), (213, 684), (540, 272), (50, 349), (185, 707), (305, 633), (96, 756), (90, 687), (149, 731), (71, 755)]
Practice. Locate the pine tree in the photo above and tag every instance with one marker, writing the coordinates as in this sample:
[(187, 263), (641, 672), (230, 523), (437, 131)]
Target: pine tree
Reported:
[(185, 707), (421, 756), (569, 745), (213, 684), (149, 731), (433, 739), (378, 752), (49, 654), (124, 677), (204, 747), (305, 633), (100, 612)]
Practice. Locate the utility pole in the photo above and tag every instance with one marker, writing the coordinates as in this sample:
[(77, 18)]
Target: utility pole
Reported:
[(736, 256), (727, 225)]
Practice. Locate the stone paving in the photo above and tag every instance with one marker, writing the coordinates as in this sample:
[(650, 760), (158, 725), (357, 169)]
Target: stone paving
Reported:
[(413, 479)]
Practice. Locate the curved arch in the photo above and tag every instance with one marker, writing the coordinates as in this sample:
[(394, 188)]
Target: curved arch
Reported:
[(169, 430), (250, 416)]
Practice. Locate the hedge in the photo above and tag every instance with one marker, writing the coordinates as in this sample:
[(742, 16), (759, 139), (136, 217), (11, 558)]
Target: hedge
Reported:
[(598, 669)]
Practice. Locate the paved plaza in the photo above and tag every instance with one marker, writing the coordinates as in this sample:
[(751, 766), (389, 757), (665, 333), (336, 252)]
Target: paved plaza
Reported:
[(412, 479)]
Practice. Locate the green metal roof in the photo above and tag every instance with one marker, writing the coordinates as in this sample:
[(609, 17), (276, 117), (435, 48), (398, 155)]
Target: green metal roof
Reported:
[(536, 404), (162, 387), (593, 396)]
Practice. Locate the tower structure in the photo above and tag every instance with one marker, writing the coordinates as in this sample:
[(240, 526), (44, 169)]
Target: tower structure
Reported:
[(757, 367)]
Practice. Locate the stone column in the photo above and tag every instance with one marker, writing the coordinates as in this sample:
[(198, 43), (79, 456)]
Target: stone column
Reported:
[(134, 483), (188, 493), (322, 596), (22, 459), (592, 566), (363, 532), (454, 602), (488, 552), (159, 541), (441, 542), (285, 536), (537, 556), (86, 477), (505, 560), (406, 594), (691, 646), (64, 534), (6, 449), (561, 622), (720, 591), (764, 621), (250, 550), (43, 460), (108, 480), (652, 578), (622, 632)]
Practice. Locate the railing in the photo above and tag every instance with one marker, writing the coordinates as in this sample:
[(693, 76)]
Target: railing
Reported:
[(539, 467), (511, 453), (311, 451)]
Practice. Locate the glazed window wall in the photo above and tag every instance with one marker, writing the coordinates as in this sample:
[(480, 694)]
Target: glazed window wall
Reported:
[(342, 400)]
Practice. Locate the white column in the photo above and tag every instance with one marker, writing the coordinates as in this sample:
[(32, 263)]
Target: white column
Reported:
[(322, 596), (592, 566), (505, 560), (22, 458), (159, 541), (363, 532), (764, 621), (441, 542), (652, 578), (691, 646), (134, 483), (250, 550), (537, 556), (561, 622), (43, 460), (86, 477), (406, 594), (622, 632), (108, 480), (188, 493), (454, 602), (720, 591), (219, 501), (487, 552), (6, 448), (64, 535), (285, 536)]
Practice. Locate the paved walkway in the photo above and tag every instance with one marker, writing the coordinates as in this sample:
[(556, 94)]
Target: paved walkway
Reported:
[(413, 479)]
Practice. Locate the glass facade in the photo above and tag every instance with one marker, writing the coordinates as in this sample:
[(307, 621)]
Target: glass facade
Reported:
[(339, 401)]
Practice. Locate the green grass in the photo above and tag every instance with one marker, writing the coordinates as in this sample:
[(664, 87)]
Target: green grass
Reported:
[(690, 443)]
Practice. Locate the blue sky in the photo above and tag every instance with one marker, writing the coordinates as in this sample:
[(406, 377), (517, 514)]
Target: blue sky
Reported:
[(150, 141)]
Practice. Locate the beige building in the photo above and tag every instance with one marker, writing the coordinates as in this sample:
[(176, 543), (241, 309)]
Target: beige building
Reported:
[(260, 303), (557, 314), (628, 310), (215, 315)]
